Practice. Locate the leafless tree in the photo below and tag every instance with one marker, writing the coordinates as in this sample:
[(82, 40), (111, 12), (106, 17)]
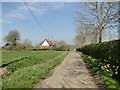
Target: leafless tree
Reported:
[(27, 44), (102, 14), (86, 33)]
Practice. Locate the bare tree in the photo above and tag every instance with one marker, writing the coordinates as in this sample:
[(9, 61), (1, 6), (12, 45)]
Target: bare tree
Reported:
[(79, 40), (102, 14), (12, 38), (86, 33), (61, 45), (119, 21), (27, 44)]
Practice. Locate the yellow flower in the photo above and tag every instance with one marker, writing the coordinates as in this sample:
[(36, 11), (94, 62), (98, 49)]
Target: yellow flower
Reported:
[(104, 66), (89, 57), (116, 72), (113, 66), (117, 67), (93, 59), (108, 65)]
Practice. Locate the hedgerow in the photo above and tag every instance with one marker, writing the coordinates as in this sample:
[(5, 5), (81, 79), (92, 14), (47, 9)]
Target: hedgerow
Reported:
[(107, 54)]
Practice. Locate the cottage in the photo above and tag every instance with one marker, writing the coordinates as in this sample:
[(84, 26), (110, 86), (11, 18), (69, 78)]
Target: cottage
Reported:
[(46, 44)]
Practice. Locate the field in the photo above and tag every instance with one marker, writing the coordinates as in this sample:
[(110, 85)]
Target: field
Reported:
[(25, 68)]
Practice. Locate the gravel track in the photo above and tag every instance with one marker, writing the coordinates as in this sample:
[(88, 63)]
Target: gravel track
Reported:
[(71, 73)]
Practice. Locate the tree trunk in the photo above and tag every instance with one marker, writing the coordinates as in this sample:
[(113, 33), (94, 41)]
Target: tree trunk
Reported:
[(101, 23), (100, 36)]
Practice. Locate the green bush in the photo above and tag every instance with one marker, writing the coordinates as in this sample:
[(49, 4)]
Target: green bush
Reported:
[(106, 53)]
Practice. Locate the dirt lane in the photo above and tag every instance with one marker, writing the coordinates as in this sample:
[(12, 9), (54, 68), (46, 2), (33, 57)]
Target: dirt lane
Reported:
[(72, 73)]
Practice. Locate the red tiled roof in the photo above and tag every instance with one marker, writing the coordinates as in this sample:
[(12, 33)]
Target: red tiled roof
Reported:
[(49, 41)]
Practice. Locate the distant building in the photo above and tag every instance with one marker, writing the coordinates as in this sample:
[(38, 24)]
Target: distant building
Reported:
[(46, 44)]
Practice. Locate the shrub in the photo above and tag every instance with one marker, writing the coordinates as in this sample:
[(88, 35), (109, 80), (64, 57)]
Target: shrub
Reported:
[(106, 53)]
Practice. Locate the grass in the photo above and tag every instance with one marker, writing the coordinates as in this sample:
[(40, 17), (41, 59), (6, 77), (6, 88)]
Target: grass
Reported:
[(0, 57), (25, 73), (11, 56)]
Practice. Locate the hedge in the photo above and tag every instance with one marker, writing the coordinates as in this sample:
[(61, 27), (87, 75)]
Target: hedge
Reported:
[(107, 53)]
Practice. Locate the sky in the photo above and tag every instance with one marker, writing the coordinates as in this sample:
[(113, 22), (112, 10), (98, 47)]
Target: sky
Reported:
[(56, 19), (0, 24)]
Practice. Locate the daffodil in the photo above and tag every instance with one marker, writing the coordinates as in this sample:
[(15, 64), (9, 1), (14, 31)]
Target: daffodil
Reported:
[(117, 67), (116, 72), (89, 57), (102, 67), (93, 60), (108, 65), (113, 66)]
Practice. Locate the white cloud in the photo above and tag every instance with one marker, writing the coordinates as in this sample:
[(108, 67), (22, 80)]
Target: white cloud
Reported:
[(42, 8), (21, 12), (16, 15)]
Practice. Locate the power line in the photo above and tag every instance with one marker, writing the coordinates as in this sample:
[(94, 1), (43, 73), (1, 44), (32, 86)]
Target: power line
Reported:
[(37, 20)]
